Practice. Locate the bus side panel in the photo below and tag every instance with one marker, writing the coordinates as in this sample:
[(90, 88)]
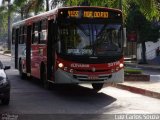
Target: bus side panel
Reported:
[(34, 61), (38, 56)]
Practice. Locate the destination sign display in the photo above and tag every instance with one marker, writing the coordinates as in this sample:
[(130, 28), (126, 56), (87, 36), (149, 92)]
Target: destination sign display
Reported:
[(88, 14)]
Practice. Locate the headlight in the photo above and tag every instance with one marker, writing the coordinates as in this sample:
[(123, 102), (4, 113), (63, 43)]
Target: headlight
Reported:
[(60, 65), (121, 65), (2, 80)]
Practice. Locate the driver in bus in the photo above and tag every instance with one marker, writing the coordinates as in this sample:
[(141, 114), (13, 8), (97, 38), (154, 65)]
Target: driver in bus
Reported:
[(111, 41)]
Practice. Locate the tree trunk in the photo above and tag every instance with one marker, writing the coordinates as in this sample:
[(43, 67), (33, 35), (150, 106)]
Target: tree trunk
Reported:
[(9, 26), (47, 5), (9, 32), (120, 4), (22, 15), (144, 61)]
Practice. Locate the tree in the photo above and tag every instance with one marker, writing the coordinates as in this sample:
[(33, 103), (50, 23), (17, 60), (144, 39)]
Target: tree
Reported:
[(26, 7), (3, 21), (149, 8), (136, 21), (9, 21), (55, 3)]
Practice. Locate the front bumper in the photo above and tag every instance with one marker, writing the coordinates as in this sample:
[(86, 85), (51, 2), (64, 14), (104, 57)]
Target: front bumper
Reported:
[(65, 77)]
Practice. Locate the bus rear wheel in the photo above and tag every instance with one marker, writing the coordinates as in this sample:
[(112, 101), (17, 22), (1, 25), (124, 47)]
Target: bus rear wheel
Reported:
[(97, 86)]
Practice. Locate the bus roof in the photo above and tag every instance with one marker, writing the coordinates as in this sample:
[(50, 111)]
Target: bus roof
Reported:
[(51, 13)]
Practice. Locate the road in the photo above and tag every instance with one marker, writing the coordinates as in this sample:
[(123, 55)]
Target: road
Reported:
[(28, 97)]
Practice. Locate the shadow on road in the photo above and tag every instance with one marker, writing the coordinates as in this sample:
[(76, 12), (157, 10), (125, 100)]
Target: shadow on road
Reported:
[(61, 99)]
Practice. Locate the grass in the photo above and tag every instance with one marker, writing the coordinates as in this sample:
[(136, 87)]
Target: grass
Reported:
[(128, 71)]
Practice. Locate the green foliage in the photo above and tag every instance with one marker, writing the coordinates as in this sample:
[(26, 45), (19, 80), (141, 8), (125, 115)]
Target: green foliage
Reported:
[(148, 8), (24, 8), (128, 71), (136, 21), (3, 21), (109, 3)]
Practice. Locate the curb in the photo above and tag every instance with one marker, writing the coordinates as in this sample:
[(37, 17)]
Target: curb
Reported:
[(137, 77), (137, 90)]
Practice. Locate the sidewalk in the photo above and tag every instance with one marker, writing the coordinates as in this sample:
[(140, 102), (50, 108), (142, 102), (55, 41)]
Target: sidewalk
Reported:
[(148, 88)]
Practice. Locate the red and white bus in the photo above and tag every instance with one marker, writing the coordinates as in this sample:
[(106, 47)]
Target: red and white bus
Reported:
[(71, 45)]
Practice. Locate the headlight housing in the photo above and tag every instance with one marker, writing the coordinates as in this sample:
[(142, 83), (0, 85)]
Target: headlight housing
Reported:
[(3, 80)]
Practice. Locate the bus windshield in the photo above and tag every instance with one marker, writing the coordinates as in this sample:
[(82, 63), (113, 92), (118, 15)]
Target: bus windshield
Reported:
[(90, 39)]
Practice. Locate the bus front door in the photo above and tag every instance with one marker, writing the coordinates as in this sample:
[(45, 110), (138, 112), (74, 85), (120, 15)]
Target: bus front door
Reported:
[(51, 49)]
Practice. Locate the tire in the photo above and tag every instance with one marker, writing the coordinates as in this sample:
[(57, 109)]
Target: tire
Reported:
[(97, 86), (22, 75), (6, 99), (45, 83)]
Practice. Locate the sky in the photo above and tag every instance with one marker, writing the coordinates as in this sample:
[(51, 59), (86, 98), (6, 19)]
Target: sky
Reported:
[(1, 1)]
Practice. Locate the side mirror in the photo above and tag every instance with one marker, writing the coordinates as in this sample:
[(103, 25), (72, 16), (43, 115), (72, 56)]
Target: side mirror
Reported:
[(7, 67)]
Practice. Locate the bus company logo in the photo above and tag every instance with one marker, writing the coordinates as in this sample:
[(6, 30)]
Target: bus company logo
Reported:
[(74, 65), (113, 64)]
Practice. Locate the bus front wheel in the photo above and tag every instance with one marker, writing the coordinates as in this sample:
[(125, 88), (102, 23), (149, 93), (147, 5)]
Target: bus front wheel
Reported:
[(97, 86)]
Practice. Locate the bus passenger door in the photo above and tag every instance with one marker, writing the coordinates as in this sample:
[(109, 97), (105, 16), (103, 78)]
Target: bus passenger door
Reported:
[(28, 50), (16, 48), (51, 49)]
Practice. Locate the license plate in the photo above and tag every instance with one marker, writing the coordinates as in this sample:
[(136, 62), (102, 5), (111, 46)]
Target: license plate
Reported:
[(92, 77)]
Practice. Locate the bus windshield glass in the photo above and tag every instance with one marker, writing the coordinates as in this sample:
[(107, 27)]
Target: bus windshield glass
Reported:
[(90, 39)]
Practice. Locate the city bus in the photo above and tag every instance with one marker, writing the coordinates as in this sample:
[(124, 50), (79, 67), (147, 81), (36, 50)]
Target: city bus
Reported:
[(71, 45)]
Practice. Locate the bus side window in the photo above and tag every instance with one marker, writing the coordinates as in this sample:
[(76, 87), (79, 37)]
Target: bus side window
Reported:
[(25, 34), (35, 33), (43, 32), (22, 35), (19, 35)]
